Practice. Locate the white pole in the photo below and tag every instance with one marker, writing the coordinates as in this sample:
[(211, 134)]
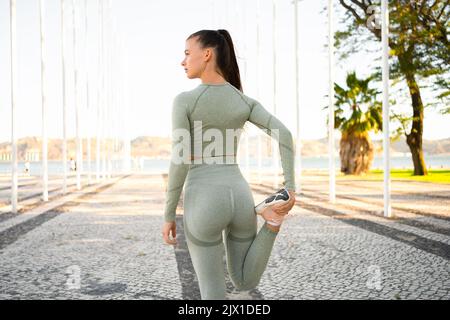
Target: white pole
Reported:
[(127, 106), (108, 91), (120, 119), (77, 111), (99, 89), (385, 74), (104, 96), (64, 96), (212, 13), (247, 133), (258, 22), (109, 109), (114, 98), (332, 180), (274, 142), (113, 112), (14, 87), (120, 107), (226, 16), (113, 101), (104, 92), (106, 105), (88, 107), (44, 106), (298, 153)]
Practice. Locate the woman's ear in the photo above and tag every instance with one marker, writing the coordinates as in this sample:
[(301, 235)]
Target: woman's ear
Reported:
[(208, 54)]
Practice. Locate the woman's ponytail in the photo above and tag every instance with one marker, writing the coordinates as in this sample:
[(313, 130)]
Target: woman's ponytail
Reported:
[(226, 56), (231, 70)]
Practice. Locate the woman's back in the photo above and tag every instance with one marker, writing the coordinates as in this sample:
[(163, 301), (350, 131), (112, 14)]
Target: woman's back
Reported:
[(206, 124), (217, 114)]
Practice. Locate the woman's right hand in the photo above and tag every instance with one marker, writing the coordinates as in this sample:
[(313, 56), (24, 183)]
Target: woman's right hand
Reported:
[(168, 229)]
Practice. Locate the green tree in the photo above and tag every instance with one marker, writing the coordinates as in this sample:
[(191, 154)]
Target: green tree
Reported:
[(357, 113), (419, 46)]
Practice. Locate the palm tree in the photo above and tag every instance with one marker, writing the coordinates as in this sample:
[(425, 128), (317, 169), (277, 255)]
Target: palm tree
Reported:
[(357, 113)]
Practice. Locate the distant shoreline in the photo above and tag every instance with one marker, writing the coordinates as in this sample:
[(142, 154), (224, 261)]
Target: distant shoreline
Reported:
[(153, 147)]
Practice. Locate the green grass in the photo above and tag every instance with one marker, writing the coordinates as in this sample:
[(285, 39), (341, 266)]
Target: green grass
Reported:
[(434, 175)]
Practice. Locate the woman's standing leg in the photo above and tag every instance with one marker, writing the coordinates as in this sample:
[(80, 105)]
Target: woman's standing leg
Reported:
[(208, 210), (209, 268)]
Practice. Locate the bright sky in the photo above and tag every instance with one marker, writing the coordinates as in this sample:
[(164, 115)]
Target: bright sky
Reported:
[(152, 36)]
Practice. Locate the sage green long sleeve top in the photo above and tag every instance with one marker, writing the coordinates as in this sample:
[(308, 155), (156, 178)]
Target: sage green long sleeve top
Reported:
[(216, 109)]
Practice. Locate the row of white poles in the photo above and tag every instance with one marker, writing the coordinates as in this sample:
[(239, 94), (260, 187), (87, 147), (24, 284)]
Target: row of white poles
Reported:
[(331, 101), (385, 78), (108, 99), (103, 100), (385, 75), (331, 73)]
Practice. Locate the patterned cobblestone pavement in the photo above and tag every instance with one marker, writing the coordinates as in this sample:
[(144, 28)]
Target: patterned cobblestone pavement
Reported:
[(107, 244)]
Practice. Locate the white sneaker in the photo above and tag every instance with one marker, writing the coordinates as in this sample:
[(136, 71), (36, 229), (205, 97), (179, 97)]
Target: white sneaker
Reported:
[(281, 196)]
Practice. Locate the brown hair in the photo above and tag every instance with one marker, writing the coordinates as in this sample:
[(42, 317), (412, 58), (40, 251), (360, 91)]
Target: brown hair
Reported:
[(221, 41)]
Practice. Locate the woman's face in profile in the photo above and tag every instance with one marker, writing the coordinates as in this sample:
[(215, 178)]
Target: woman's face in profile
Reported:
[(194, 59)]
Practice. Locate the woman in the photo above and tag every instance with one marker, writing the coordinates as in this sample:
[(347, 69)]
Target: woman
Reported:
[(217, 197)]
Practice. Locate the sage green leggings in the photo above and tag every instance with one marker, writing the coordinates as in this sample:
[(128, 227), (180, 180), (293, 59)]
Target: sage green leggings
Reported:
[(219, 214)]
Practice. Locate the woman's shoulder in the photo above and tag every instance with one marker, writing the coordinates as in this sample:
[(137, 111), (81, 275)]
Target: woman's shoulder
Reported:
[(246, 98), (251, 102), (186, 100), (184, 97), (188, 95)]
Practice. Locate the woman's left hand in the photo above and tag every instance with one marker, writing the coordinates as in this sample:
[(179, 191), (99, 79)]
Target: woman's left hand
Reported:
[(168, 229), (284, 208)]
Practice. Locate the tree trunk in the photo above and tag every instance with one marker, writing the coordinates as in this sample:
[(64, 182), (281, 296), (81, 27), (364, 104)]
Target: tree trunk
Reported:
[(356, 153), (414, 138)]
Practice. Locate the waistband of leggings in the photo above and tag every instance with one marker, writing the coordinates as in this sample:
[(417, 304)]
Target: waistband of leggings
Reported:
[(219, 173), (217, 160)]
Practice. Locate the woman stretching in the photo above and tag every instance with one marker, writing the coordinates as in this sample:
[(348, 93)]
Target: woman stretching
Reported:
[(218, 202)]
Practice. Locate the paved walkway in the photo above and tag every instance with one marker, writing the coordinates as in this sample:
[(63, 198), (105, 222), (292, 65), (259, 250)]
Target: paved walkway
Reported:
[(105, 243)]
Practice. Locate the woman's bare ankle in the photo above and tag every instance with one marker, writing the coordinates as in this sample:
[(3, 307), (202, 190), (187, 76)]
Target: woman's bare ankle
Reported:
[(273, 228)]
